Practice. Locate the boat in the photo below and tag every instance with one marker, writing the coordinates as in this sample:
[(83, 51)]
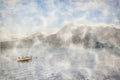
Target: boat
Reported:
[(24, 58)]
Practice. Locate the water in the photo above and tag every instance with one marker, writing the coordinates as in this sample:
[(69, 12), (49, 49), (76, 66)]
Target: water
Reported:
[(72, 63)]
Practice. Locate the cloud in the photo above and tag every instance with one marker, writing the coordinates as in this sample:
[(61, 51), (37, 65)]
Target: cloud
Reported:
[(27, 16)]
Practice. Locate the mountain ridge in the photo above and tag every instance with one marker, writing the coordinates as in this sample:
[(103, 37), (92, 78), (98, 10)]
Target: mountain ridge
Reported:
[(80, 35)]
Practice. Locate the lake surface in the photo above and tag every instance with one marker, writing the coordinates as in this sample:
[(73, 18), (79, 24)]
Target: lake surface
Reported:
[(70, 63)]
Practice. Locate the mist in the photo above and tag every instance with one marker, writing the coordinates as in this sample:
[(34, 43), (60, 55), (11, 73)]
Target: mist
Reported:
[(73, 53), (66, 39)]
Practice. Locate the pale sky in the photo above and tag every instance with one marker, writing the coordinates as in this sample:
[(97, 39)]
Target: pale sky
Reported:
[(26, 16)]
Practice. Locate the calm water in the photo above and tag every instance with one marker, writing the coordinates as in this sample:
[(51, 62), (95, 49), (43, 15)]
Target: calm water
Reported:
[(60, 64)]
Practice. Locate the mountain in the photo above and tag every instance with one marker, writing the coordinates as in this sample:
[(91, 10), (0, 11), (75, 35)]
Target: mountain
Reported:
[(78, 35), (86, 36), (24, 42)]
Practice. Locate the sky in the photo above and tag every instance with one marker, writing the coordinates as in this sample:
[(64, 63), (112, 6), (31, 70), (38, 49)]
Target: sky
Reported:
[(28, 16)]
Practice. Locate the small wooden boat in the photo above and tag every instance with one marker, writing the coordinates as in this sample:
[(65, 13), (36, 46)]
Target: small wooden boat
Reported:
[(24, 58)]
